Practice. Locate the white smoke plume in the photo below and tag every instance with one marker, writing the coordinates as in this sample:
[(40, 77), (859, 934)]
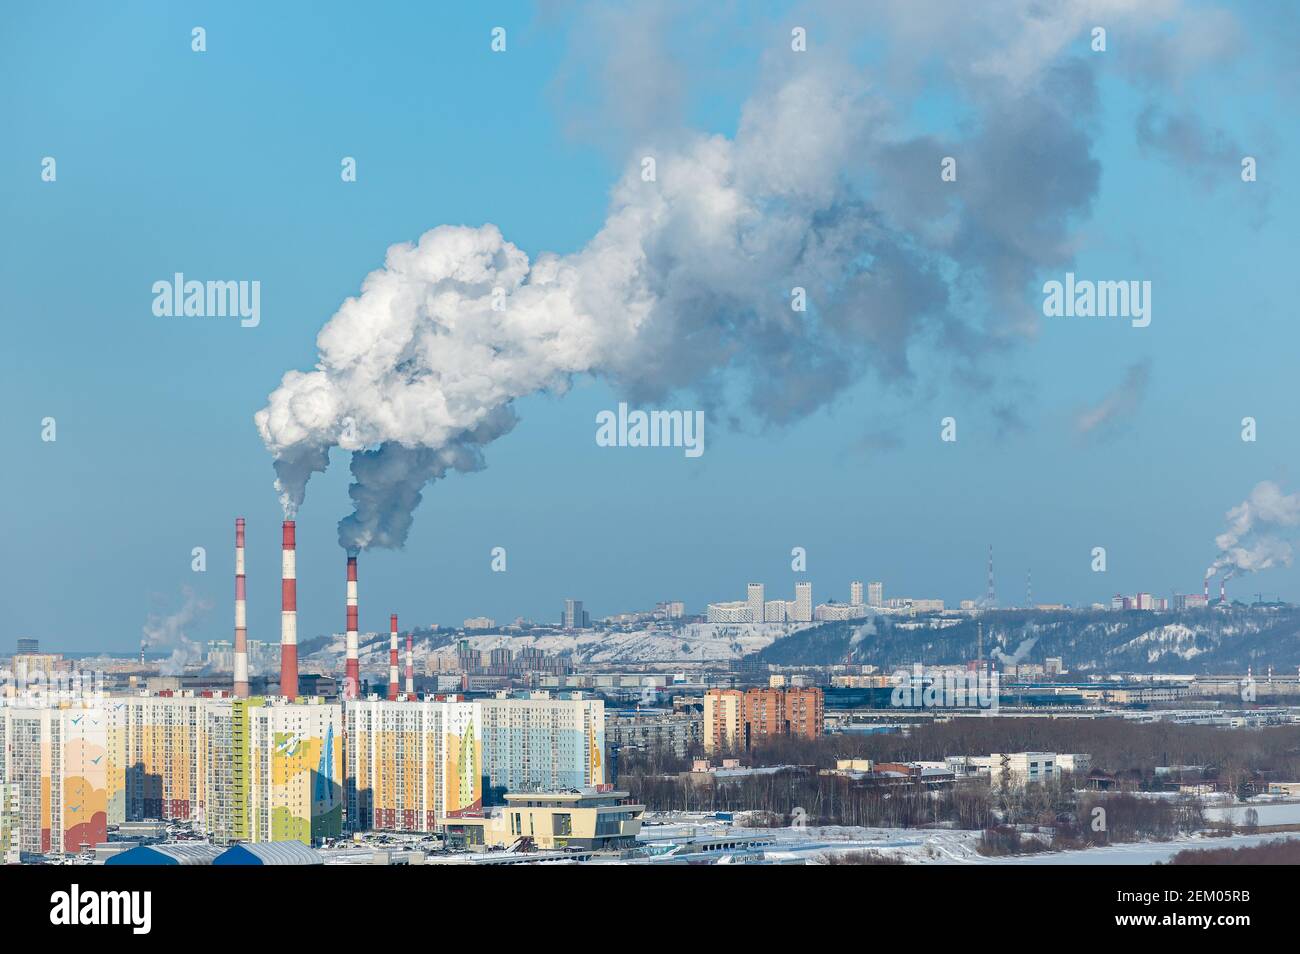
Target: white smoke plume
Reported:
[(687, 286), (1022, 652), (169, 632), (1255, 538)]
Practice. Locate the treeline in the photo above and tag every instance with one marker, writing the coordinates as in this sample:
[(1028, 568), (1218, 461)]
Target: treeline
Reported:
[(1057, 809), (1284, 851), (1131, 751), (792, 798)]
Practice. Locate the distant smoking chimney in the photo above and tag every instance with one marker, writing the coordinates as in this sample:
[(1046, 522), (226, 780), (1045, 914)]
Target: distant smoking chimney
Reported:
[(241, 615), (352, 674), (289, 613), (1223, 590), (410, 664), (1207, 589), (392, 658)]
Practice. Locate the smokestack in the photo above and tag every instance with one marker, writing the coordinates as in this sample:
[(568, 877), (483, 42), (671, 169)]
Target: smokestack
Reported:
[(1223, 590), (1207, 589), (410, 665), (392, 658), (289, 613), (352, 674), (241, 615)]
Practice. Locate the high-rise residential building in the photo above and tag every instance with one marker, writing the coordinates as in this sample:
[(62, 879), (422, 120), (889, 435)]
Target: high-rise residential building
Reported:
[(876, 594), (408, 763), (735, 720), (57, 758), (11, 825), (803, 604), (541, 743), (754, 594), (575, 617), (157, 757), (724, 720), (855, 593), (275, 770), (774, 611)]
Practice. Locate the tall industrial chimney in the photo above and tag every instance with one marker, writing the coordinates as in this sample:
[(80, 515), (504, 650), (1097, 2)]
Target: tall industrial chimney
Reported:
[(1207, 589), (289, 613), (352, 674), (1223, 590), (241, 615), (410, 665), (392, 658)]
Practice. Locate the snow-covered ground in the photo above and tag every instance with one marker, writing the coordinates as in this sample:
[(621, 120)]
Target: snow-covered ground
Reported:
[(1287, 813), (694, 642)]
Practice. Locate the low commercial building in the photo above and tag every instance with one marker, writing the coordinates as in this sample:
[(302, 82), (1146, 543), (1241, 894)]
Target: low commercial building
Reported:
[(597, 819), (1017, 769)]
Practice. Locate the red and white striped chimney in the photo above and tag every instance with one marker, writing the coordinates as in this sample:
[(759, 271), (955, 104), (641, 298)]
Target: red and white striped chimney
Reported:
[(1207, 589), (1223, 590), (352, 674), (289, 612), (241, 615), (392, 658), (410, 665)]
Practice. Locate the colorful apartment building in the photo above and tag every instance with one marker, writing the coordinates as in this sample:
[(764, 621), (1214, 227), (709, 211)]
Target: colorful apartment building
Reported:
[(11, 825), (274, 770), (409, 762), (57, 756), (157, 757), (541, 742)]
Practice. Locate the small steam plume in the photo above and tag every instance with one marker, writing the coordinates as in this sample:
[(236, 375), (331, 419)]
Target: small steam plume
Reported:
[(1022, 651), (168, 632), (1256, 535), (862, 632)]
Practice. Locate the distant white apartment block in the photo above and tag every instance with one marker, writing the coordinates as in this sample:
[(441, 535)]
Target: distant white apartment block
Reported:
[(855, 593), (737, 611), (803, 604), (754, 592), (876, 594)]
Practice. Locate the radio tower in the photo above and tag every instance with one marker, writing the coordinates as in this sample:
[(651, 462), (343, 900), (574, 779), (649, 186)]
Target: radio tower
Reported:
[(1029, 589)]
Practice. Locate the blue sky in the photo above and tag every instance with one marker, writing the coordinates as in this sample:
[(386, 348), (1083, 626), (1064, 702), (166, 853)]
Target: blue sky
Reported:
[(225, 164)]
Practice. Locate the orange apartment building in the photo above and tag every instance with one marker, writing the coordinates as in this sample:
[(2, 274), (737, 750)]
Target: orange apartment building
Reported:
[(737, 720)]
